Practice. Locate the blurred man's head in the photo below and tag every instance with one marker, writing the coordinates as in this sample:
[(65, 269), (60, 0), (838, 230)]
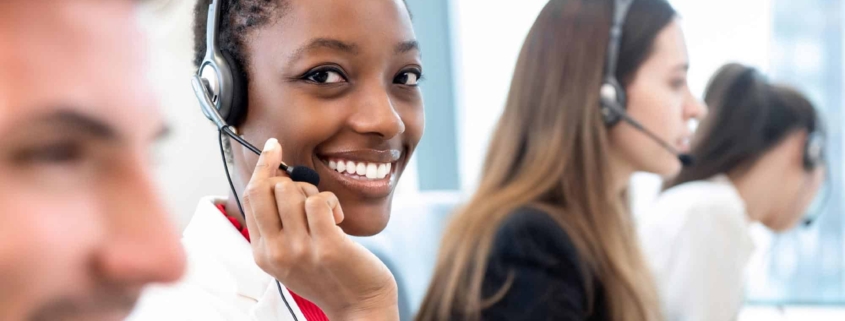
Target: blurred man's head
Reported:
[(81, 227)]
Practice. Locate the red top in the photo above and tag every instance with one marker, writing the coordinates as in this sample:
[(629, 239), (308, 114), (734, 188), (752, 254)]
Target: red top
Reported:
[(310, 310)]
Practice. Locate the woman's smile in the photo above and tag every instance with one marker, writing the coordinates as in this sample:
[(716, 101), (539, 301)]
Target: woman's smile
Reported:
[(371, 173)]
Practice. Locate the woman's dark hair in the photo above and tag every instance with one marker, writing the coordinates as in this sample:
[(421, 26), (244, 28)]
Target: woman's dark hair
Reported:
[(748, 116), (237, 19), (550, 150)]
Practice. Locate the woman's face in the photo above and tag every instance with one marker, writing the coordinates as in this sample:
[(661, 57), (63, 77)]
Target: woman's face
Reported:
[(659, 98), (336, 83), (796, 186)]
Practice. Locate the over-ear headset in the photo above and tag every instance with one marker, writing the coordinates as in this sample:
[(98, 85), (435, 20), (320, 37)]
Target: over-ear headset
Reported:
[(612, 99), (814, 156), (219, 88), (220, 74), (813, 151)]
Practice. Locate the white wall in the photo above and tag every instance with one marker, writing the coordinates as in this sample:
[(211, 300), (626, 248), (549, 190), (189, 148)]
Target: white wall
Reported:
[(487, 35), (190, 164)]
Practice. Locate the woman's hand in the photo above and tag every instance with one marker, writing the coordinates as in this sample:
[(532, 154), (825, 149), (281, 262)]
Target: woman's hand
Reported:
[(295, 238)]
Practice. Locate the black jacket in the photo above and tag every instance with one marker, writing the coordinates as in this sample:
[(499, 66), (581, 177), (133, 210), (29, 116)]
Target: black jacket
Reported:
[(548, 283)]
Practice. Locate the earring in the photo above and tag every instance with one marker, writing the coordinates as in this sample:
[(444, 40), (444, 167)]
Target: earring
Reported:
[(235, 130)]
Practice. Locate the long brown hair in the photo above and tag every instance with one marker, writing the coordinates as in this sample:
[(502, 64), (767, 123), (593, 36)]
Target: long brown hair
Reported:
[(550, 150), (748, 116)]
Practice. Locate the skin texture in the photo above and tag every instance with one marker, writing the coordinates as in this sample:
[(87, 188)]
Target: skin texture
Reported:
[(364, 107), (83, 229), (660, 99)]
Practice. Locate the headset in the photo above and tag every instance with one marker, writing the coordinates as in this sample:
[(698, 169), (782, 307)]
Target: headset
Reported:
[(814, 151), (612, 95), (814, 156), (613, 101), (220, 89), (220, 76)]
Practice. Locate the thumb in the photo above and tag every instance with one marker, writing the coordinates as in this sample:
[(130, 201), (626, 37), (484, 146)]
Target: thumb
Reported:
[(268, 161)]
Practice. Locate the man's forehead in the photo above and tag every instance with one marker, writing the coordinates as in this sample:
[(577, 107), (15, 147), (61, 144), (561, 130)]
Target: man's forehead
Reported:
[(65, 38), (69, 52)]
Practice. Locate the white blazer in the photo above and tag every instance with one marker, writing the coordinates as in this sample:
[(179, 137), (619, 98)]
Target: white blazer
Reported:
[(698, 243), (222, 281)]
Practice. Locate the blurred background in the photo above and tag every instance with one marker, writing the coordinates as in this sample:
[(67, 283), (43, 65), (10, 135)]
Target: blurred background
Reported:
[(469, 50)]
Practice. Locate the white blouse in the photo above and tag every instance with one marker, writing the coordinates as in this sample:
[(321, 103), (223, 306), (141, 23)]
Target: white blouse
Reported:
[(697, 241), (222, 283)]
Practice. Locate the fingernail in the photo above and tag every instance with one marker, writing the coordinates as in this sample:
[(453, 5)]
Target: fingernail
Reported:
[(271, 144)]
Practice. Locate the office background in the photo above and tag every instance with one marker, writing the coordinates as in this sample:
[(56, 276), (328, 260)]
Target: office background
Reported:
[(469, 50)]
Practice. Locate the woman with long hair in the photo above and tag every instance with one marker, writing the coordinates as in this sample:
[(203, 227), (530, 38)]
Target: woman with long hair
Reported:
[(548, 234), (758, 159)]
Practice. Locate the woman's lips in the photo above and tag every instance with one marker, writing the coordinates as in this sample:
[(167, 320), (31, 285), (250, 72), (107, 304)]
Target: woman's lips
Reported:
[(368, 172)]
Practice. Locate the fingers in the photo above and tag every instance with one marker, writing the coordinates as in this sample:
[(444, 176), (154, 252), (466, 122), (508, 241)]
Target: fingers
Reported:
[(259, 196), (308, 189), (252, 227), (290, 201), (322, 211), (259, 203)]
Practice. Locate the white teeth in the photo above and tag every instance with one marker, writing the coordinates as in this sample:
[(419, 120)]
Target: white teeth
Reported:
[(361, 170), (372, 171), (381, 172)]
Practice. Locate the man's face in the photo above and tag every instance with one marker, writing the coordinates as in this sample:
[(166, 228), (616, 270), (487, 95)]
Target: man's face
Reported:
[(81, 227)]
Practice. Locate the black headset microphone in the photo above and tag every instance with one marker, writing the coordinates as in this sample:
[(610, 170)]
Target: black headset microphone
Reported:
[(685, 159), (612, 94)]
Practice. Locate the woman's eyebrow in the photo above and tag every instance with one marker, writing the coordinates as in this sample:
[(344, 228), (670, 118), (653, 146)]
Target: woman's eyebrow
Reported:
[(325, 43), (407, 46)]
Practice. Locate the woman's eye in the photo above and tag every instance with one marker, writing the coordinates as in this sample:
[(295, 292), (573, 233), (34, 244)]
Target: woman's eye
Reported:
[(407, 78), (678, 83), (325, 77)]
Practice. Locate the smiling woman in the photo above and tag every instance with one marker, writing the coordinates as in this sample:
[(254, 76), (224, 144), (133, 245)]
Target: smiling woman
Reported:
[(330, 85)]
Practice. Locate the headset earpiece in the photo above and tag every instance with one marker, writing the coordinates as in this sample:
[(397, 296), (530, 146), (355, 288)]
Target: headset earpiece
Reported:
[(237, 110), (612, 94), (612, 99), (813, 151), (223, 80)]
